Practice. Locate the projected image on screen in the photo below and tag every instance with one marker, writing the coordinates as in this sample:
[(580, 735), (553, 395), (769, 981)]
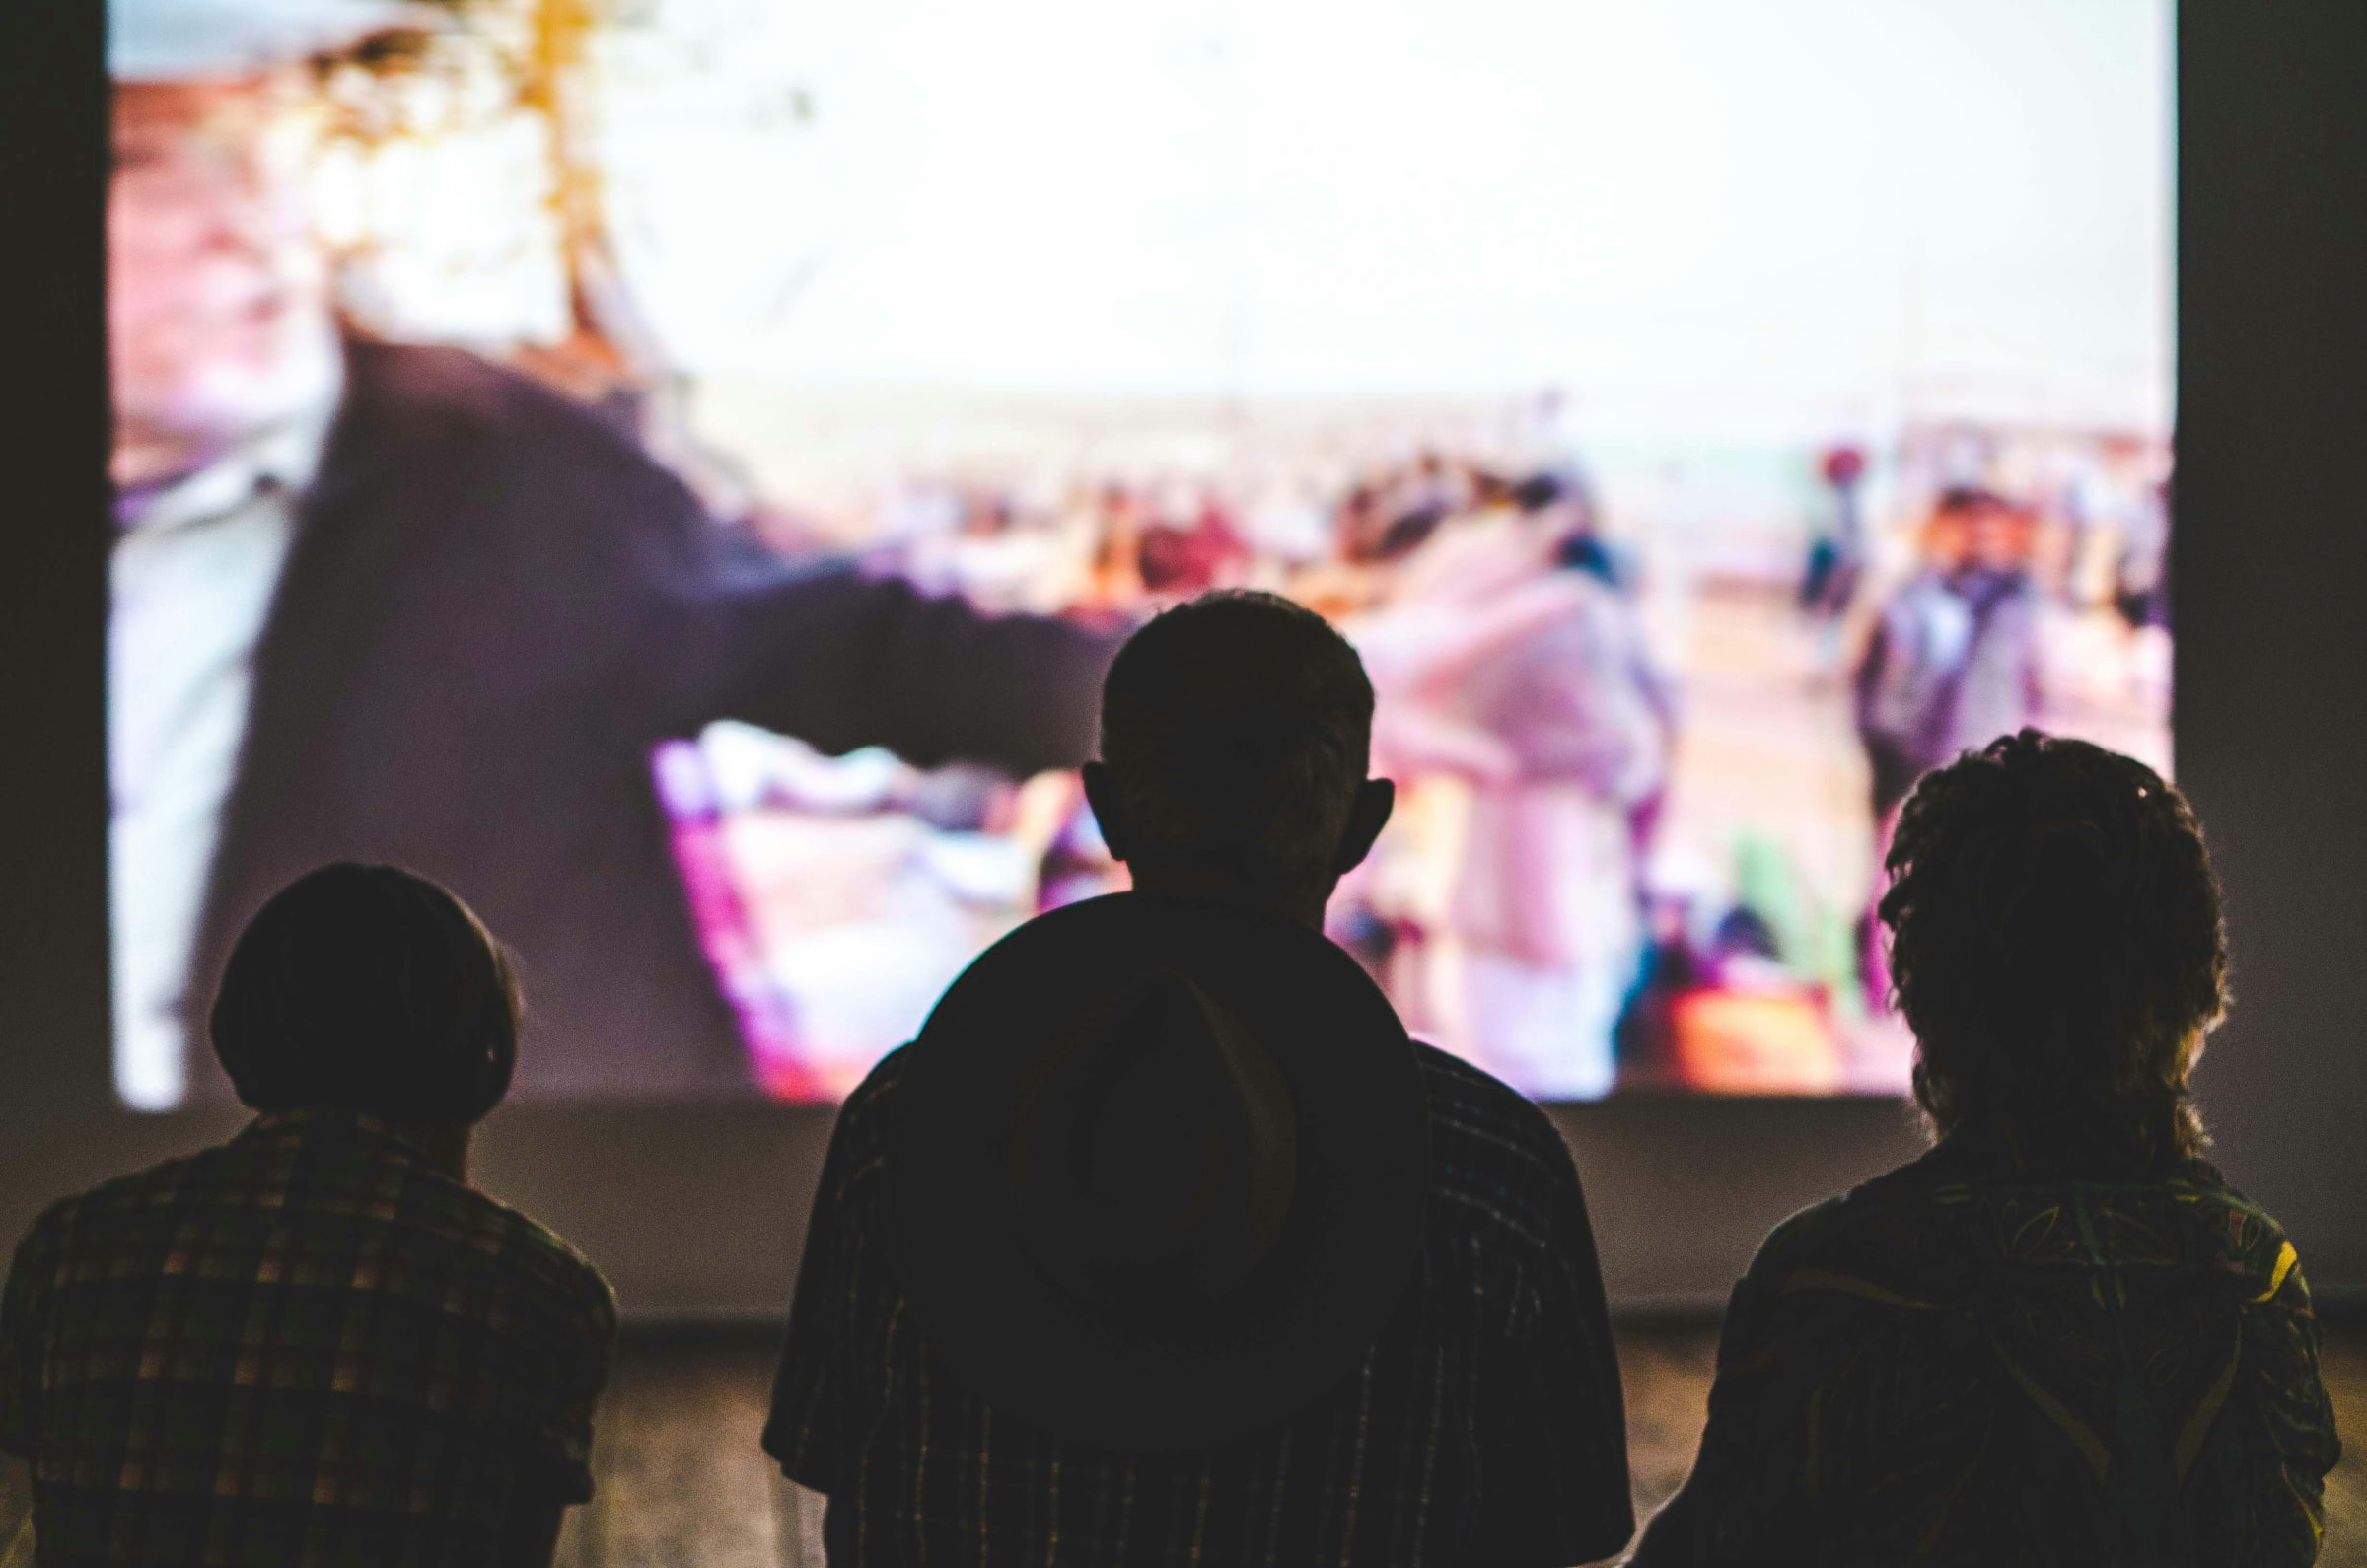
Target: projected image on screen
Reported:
[(674, 473)]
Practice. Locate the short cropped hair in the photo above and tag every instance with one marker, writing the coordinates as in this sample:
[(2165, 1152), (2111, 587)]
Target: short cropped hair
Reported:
[(1237, 728), (2058, 949), (371, 989)]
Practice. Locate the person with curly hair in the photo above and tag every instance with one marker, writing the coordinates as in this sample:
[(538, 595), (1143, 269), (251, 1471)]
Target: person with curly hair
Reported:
[(2058, 1337)]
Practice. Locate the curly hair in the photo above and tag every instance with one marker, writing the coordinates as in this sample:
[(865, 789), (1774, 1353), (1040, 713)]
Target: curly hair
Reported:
[(2057, 945)]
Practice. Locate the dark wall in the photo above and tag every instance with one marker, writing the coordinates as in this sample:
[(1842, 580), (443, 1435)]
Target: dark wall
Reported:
[(2270, 569), (697, 1211), (53, 541)]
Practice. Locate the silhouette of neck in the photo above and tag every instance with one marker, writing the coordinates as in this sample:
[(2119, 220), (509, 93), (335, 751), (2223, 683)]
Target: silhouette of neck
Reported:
[(1292, 898)]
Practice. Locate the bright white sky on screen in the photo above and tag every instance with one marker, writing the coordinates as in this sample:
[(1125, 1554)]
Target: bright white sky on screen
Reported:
[(1819, 201)]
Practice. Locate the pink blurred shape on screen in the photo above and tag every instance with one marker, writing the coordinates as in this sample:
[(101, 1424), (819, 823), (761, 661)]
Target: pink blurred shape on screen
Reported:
[(767, 1015)]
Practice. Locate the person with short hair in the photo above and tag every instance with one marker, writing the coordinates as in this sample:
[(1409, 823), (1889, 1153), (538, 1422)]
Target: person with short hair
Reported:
[(2060, 1337), (316, 1343), (1163, 1243)]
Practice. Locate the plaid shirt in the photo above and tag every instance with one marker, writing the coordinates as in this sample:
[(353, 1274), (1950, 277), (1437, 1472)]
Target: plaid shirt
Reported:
[(1483, 1428), (303, 1347), (1966, 1363)]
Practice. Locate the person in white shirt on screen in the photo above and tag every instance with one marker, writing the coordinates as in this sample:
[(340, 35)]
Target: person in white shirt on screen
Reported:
[(226, 372), (392, 603)]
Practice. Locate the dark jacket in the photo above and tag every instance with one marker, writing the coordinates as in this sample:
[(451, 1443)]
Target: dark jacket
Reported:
[(495, 606)]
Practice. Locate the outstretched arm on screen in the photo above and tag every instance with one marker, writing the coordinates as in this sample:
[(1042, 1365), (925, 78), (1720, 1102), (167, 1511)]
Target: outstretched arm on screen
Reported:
[(842, 659)]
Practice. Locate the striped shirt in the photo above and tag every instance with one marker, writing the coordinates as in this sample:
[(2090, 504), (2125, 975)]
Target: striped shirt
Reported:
[(1483, 1427), (301, 1347)]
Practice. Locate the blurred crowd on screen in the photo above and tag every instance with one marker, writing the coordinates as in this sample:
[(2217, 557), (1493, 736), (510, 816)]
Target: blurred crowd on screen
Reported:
[(1584, 890), (1651, 723)]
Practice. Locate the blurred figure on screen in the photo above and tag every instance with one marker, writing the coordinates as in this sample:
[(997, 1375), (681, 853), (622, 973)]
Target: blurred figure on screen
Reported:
[(397, 603), (1953, 659), (1508, 660), (1548, 905), (1836, 549)]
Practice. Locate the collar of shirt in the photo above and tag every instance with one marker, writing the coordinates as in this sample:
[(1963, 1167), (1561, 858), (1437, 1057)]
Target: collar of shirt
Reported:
[(305, 1123), (284, 455), (1977, 1153)]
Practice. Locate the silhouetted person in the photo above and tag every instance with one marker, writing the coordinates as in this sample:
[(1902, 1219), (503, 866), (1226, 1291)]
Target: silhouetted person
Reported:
[(1163, 1243), (316, 1343), (2060, 1337)]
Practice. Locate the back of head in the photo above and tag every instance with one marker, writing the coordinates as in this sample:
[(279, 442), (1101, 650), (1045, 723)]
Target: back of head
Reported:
[(1238, 728), (369, 989), (2058, 950)]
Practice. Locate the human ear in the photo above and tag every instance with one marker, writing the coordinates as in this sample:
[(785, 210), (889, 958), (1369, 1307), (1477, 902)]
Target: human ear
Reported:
[(1102, 794), (1368, 813)]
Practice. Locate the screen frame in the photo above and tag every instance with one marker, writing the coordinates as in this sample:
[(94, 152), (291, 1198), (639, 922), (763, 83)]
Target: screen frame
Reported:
[(696, 1211)]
